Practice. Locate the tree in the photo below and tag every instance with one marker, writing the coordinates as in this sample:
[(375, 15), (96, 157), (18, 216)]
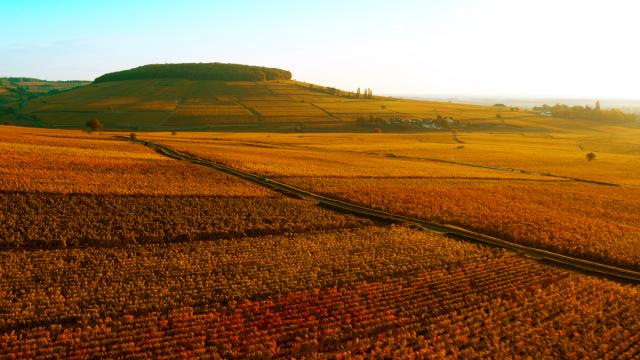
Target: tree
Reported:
[(591, 156), (368, 94), (358, 94), (94, 125), (597, 108)]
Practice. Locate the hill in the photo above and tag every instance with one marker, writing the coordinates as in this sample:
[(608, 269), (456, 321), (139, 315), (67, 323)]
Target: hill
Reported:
[(238, 97), (15, 92)]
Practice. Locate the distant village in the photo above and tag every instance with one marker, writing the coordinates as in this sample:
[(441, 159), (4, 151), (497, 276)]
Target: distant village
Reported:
[(439, 123)]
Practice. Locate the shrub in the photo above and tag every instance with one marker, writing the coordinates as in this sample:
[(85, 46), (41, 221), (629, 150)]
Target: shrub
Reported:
[(94, 125), (591, 156)]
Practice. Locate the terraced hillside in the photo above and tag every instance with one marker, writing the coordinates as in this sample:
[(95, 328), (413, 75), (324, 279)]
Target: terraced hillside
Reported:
[(15, 92), (194, 98)]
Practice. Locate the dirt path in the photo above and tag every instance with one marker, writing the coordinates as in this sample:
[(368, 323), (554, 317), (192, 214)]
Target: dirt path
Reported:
[(544, 256)]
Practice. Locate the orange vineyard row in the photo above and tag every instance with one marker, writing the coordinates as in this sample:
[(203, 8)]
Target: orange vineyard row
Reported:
[(600, 223), (83, 164), (570, 218), (58, 220), (370, 292)]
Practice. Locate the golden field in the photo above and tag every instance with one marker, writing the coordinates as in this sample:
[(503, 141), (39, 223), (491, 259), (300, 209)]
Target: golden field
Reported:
[(110, 249), (526, 194)]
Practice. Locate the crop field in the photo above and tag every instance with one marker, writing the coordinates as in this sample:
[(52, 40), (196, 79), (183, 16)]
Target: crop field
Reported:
[(276, 161), (353, 293), (177, 104), (110, 249), (90, 190), (588, 220)]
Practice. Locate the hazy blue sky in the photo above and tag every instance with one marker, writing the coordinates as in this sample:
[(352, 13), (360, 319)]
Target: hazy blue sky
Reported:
[(567, 48)]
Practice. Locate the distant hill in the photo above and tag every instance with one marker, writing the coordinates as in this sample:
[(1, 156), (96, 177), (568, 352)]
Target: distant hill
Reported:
[(239, 97), (202, 71), (16, 92)]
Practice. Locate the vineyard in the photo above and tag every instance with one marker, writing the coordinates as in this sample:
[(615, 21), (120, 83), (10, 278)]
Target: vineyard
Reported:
[(112, 250), (135, 100), (343, 294), (593, 222), (564, 217)]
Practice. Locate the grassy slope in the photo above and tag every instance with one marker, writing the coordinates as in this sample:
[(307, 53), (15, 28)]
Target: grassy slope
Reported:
[(200, 104), (15, 93)]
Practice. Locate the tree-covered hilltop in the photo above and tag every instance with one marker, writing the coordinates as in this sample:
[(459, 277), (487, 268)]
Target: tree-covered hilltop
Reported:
[(199, 71)]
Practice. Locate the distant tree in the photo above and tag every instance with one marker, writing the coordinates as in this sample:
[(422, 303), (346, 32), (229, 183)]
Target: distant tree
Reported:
[(597, 108), (94, 125), (362, 120), (358, 94), (591, 156)]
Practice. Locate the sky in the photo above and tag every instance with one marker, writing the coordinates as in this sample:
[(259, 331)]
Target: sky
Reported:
[(516, 48)]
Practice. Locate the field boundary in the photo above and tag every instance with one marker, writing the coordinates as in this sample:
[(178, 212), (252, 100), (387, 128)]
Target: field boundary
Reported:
[(544, 256)]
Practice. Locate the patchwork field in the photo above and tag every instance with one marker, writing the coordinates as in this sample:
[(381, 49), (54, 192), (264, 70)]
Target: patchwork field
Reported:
[(493, 192), (110, 249), (171, 104)]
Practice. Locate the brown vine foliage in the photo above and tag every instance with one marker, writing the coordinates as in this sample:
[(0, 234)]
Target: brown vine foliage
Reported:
[(368, 292), (110, 250), (595, 222), (41, 220), (601, 224)]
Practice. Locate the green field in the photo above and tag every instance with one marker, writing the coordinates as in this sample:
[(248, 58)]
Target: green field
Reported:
[(16, 92)]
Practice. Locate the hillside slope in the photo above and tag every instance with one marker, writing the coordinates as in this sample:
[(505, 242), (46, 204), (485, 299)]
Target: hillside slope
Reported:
[(15, 92), (200, 97)]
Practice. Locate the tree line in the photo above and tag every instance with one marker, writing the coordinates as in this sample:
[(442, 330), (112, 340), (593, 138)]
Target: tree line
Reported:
[(199, 71), (587, 112)]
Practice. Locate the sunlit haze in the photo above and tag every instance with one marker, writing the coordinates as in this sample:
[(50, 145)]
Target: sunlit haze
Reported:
[(538, 48)]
